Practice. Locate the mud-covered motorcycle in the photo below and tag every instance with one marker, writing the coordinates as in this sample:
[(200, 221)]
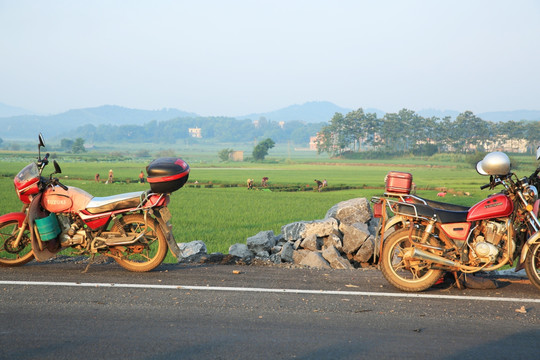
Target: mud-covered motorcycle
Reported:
[(425, 238), (132, 228)]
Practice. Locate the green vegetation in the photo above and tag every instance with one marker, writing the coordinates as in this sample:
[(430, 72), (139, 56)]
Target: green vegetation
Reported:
[(406, 132)]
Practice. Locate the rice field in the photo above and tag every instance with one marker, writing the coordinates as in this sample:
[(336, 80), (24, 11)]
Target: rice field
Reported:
[(221, 211)]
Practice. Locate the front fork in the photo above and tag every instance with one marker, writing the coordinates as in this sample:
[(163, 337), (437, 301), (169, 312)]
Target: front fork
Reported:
[(22, 228)]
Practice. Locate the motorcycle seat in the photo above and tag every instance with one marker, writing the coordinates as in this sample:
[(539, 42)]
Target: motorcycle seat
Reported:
[(116, 202), (444, 206), (441, 215)]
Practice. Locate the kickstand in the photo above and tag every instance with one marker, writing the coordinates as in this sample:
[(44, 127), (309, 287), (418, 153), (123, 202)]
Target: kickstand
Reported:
[(89, 263), (459, 285)]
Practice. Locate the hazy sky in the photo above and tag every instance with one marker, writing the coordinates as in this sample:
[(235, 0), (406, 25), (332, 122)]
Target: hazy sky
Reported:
[(228, 57)]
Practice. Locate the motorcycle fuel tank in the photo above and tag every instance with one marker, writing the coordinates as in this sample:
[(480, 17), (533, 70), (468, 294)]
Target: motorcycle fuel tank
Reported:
[(495, 206), (58, 200)]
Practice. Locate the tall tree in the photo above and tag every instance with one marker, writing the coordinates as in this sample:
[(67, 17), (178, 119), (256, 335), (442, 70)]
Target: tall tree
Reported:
[(261, 149), (78, 146)]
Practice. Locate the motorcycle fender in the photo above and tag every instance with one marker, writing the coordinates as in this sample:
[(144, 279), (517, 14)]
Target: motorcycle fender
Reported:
[(19, 216), (535, 239), (393, 221)]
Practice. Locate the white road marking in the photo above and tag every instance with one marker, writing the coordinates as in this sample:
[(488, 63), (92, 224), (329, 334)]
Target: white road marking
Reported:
[(267, 290)]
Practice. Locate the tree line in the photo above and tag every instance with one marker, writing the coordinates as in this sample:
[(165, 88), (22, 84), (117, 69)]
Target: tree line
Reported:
[(408, 132), (216, 129)]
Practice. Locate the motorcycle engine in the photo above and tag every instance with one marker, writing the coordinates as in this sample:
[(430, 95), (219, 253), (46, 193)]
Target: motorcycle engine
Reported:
[(70, 235), (489, 240)]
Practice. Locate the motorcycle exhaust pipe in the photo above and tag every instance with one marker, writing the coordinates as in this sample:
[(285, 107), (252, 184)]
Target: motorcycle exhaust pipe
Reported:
[(416, 253)]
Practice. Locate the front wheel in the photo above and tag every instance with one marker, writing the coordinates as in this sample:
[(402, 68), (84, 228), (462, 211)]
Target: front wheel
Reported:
[(147, 253), (532, 265), (11, 254), (407, 275)]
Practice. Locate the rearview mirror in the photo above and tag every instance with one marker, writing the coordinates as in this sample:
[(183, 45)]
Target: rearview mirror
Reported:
[(57, 169), (41, 141)]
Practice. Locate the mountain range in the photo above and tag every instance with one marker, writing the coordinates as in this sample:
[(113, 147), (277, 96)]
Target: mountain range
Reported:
[(13, 119)]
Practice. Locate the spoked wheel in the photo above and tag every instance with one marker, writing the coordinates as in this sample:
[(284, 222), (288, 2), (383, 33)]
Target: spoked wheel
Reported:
[(11, 254), (532, 265), (148, 252), (407, 275)]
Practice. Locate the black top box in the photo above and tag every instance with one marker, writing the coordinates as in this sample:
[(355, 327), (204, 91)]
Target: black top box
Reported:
[(166, 175)]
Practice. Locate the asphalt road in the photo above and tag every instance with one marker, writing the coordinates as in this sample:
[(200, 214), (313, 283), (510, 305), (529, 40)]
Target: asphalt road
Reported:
[(54, 311)]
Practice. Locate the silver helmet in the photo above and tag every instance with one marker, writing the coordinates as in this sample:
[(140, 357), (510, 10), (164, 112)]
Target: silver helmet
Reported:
[(494, 163)]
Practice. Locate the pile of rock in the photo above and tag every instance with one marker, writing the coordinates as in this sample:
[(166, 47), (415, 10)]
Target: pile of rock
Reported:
[(342, 240)]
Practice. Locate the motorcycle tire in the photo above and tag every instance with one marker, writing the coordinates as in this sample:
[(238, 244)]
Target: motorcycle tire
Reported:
[(140, 256), (411, 276), (532, 265), (10, 256)]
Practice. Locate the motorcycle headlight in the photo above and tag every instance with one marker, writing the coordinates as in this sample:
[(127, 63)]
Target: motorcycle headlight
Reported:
[(530, 192)]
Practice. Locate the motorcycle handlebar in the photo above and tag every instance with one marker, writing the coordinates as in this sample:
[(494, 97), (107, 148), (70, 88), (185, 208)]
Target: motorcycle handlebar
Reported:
[(485, 186), (56, 182)]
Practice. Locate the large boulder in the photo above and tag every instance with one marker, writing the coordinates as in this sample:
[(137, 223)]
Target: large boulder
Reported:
[(191, 248), (240, 250), (334, 240), (287, 251), (351, 211), (315, 260), (332, 255), (261, 243), (312, 242), (320, 228), (353, 236), (303, 229), (365, 252)]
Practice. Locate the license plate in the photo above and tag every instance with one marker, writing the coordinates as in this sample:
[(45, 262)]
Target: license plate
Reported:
[(165, 214)]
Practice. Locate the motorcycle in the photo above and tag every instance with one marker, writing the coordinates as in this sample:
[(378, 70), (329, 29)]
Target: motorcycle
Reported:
[(429, 238), (132, 228)]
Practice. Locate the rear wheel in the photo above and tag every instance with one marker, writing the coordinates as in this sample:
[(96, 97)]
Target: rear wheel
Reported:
[(532, 265), (407, 275), (148, 252), (11, 255)]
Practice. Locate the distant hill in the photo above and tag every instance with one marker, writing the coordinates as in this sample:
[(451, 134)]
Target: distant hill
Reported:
[(437, 113), (20, 125), (516, 115), (54, 125), (311, 112), (7, 110)]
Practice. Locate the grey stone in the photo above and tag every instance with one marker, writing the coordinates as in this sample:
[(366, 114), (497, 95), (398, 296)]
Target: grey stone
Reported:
[(331, 254), (366, 250), (291, 232), (353, 236), (351, 211), (275, 258), (333, 240), (280, 239), (263, 241), (320, 228), (287, 252), (299, 255), (240, 250), (264, 255), (192, 248), (315, 260), (312, 243), (303, 229)]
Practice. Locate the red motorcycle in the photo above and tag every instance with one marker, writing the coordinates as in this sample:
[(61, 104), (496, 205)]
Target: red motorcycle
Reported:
[(132, 228), (428, 238)]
